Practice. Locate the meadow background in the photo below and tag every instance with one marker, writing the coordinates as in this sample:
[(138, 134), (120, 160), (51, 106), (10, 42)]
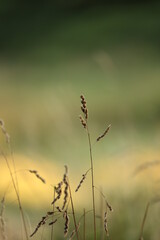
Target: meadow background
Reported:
[(50, 53)]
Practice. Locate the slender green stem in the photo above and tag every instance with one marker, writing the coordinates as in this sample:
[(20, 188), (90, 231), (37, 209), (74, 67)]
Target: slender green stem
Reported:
[(92, 176), (74, 217)]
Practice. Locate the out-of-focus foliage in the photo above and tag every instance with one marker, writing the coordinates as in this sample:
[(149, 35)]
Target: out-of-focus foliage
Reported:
[(51, 52)]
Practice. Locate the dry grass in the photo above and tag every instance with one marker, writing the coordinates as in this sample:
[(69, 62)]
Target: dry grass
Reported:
[(14, 179), (63, 202), (35, 172)]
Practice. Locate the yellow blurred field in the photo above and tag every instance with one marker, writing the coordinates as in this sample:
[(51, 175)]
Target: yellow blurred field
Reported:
[(114, 175)]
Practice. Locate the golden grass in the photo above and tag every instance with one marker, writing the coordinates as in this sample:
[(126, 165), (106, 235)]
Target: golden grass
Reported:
[(33, 192), (121, 167)]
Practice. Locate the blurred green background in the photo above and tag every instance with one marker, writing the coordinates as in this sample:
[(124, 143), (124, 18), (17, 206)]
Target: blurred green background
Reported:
[(50, 53)]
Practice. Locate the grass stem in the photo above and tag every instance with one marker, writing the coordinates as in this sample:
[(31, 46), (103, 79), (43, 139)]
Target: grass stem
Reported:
[(74, 217), (52, 215), (143, 221), (92, 181), (17, 194), (84, 224)]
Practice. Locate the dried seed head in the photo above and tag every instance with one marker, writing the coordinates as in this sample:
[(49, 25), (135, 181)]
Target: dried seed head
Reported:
[(59, 185), (106, 224), (66, 224), (65, 181), (82, 121), (51, 223), (82, 180), (86, 113), (84, 107), (33, 171), (83, 101), (58, 190), (42, 222), (37, 175), (82, 98), (58, 208), (105, 132), (109, 206), (80, 183)]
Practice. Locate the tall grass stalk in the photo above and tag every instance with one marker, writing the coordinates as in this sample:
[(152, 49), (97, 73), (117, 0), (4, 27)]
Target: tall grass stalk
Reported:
[(92, 180), (84, 224), (53, 214), (17, 194), (73, 211), (84, 123)]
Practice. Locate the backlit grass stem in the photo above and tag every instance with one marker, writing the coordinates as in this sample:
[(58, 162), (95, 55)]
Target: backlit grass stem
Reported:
[(84, 224), (73, 212), (92, 181), (17, 194), (53, 215), (85, 124)]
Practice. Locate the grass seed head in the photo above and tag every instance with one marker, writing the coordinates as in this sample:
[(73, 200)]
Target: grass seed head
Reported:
[(51, 223), (104, 134), (82, 180), (66, 224), (106, 223), (84, 107), (37, 175), (42, 222), (58, 191), (65, 181), (83, 122)]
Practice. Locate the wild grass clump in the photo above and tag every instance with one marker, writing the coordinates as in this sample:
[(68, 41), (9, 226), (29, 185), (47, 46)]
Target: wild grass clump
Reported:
[(62, 190), (62, 207), (85, 124), (63, 204)]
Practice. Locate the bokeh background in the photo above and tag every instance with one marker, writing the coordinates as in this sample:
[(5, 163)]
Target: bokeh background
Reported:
[(50, 53)]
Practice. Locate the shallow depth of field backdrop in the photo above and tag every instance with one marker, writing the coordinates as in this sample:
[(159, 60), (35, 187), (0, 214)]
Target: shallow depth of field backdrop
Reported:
[(50, 53)]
